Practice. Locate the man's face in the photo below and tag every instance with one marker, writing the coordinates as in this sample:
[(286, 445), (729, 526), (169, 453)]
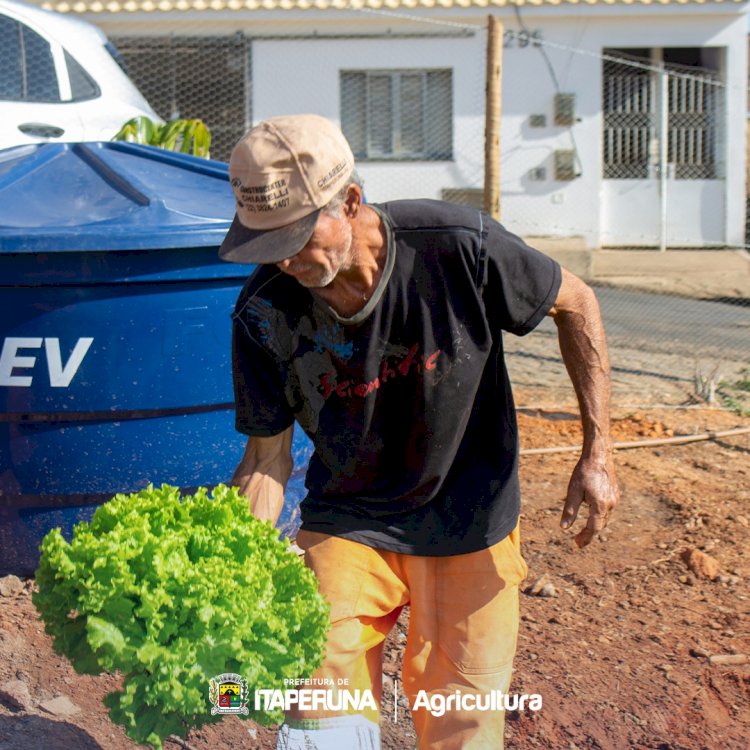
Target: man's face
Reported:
[(327, 252)]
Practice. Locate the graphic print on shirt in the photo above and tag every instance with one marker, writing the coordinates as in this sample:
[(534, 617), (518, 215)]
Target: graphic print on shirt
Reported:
[(271, 325), (327, 364), (397, 362), (333, 339)]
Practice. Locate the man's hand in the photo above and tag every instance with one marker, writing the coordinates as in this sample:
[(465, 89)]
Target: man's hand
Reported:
[(592, 482), (263, 472)]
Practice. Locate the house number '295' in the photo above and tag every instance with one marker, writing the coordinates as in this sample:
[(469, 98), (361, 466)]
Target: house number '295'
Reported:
[(523, 38)]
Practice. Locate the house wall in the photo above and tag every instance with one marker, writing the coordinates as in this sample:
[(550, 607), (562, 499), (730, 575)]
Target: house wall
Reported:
[(301, 73), (311, 70)]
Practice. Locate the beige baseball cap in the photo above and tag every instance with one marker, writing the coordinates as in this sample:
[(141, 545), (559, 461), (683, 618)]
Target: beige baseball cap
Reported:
[(283, 171)]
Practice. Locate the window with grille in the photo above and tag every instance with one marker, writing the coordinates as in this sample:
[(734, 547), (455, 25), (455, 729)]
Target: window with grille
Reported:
[(632, 106), (398, 114), (629, 117), (194, 77)]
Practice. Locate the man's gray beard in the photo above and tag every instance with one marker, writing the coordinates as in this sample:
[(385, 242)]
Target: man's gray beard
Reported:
[(333, 273), (325, 281)]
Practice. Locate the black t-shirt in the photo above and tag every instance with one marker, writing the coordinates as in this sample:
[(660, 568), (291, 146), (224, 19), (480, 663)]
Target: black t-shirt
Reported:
[(408, 403)]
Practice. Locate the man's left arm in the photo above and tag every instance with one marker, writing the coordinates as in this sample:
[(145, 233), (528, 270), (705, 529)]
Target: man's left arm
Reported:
[(584, 350)]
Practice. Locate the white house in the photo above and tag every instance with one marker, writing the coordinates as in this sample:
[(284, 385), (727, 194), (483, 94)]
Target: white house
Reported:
[(623, 121)]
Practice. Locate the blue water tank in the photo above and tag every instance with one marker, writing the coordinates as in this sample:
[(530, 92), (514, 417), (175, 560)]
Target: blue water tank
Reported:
[(115, 368)]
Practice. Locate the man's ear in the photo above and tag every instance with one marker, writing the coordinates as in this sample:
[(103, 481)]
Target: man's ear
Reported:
[(353, 201)]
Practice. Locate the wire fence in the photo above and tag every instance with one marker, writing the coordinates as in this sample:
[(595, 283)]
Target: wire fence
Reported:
[(193, 76), (608, 147)]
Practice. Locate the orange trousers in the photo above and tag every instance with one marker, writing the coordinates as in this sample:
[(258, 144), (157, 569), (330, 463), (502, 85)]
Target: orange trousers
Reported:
[(463, 629)]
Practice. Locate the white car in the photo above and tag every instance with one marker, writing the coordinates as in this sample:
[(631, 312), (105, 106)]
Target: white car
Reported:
[(60, 80)]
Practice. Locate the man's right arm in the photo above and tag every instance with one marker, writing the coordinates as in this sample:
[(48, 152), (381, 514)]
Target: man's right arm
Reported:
[(263, 472)]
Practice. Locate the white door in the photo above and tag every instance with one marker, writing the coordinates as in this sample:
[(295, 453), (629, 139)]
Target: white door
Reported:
[(660, 186)]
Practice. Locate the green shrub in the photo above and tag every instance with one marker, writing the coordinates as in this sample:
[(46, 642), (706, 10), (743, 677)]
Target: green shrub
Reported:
[(187, 136)]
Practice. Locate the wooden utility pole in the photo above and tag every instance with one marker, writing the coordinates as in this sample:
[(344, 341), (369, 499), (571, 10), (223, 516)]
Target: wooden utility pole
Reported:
[(493, 108)]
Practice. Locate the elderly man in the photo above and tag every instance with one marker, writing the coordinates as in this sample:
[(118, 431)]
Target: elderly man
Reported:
[(378, 328)]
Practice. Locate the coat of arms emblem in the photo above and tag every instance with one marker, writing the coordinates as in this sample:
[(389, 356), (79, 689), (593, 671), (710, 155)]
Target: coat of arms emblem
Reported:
[(228, 694)]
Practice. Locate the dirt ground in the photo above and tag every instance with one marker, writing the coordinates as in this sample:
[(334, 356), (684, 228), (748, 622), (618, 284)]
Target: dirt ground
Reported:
[(622, 648)]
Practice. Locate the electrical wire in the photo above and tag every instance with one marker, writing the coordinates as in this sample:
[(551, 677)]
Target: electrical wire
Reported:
[(356, 6), (555, 83)]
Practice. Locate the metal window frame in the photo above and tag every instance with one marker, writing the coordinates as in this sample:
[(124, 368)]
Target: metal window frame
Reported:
[(398, 153)]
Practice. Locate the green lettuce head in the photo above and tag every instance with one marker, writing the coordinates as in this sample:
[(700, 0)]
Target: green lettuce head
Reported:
[(173, 591)]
